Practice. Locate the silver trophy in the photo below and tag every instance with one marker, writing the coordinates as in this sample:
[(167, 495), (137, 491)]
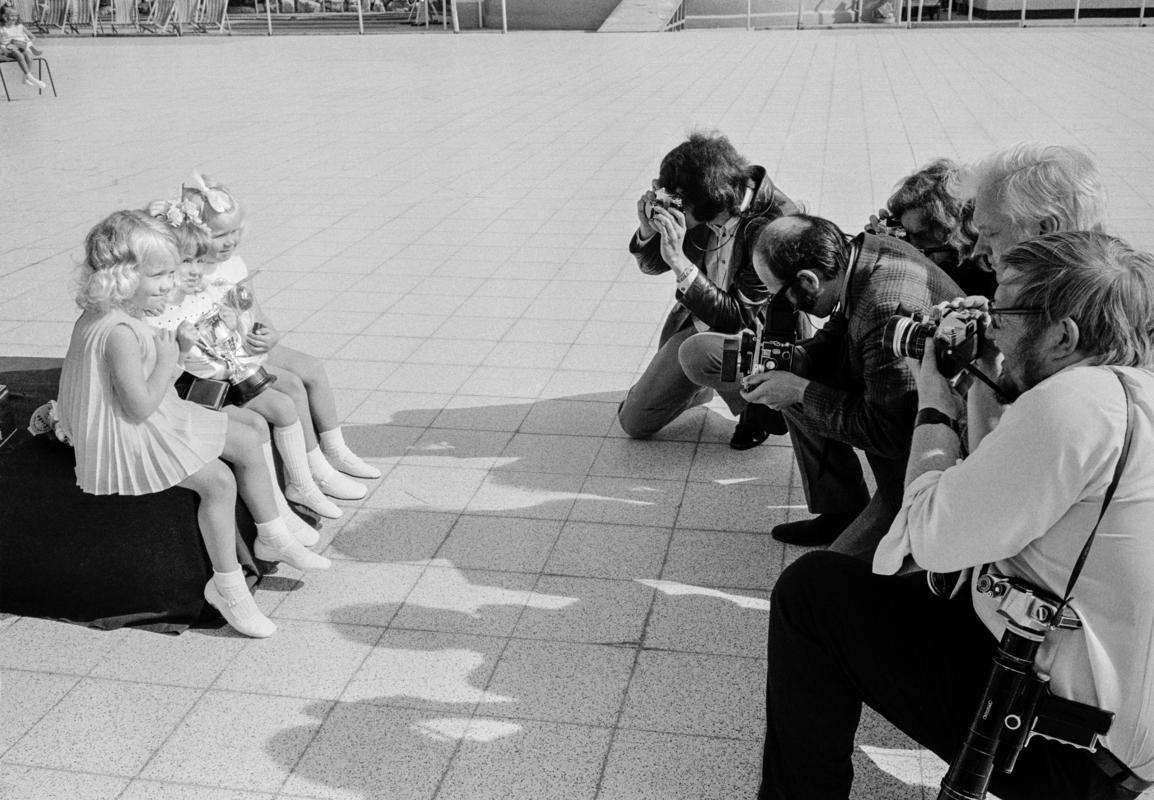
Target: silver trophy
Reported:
[(222, 334)]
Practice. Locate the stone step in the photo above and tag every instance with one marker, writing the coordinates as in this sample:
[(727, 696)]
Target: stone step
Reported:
[(640, 16)]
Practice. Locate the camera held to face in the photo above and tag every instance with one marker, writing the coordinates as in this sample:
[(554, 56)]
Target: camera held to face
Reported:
[(770, 346), (957, 337), (665, 199)]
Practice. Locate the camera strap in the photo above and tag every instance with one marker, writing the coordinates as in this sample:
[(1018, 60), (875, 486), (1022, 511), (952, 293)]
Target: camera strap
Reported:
[(1121, 465)]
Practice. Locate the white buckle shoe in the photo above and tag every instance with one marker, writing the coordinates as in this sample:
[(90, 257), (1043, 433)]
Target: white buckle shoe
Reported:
[(291, 552), (304, 533), (352, 464), (241, 613), (341, 487), (312, 498)]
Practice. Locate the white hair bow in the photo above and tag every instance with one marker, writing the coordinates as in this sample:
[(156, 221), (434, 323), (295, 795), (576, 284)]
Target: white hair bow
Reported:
[(220, 200)]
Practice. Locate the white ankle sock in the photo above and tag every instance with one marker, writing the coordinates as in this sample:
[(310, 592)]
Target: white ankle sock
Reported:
[(344, 459), (228, 582), (301, 530), (290, 443), (319, 466), (275, 543)]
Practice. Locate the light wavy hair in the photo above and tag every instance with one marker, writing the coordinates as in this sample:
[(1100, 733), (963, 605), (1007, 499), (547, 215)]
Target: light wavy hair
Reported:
[(113, 250), (192, 236), (1034, 184), (1099, 281)]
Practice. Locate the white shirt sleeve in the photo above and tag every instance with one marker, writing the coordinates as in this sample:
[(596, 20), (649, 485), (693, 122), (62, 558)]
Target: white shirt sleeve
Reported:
[(1052, 448)]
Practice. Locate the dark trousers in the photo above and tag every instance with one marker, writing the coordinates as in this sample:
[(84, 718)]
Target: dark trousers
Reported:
[(831, 476), (840, 636)]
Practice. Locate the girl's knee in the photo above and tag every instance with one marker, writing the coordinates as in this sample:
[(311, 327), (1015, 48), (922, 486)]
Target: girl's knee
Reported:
[(215, 481), (291, 384)]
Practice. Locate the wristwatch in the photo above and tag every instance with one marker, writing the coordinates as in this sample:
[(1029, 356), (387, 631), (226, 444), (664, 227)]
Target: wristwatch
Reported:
[(931, 416)]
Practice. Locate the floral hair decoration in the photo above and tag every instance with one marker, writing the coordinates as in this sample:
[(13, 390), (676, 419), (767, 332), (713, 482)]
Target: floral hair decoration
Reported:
[(178, 212)]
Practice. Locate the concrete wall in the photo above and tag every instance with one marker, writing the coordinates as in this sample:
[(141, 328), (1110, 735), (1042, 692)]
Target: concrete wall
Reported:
[(542, 15)]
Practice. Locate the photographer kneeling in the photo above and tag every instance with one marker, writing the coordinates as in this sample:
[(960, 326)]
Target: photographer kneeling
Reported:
[(699, 223), (1074, 320)]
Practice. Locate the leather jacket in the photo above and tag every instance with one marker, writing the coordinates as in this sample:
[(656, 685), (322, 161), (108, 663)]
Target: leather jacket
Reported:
[(725, 309)]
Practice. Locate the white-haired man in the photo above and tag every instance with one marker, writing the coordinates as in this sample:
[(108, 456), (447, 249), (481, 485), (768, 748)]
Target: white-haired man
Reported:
[(1030, 189), (1074, 316)]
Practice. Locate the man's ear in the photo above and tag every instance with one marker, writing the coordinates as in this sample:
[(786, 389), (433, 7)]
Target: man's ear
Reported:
[(808, 281), (1069, 339)]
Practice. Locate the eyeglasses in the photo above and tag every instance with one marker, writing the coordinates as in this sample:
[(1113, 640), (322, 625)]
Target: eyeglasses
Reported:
[(1012, 311)]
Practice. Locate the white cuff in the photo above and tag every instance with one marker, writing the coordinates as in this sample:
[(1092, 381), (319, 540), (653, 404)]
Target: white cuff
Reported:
[(688, 278)]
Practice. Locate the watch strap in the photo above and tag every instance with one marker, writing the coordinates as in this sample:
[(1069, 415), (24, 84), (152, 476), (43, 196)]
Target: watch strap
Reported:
[(932, 416)]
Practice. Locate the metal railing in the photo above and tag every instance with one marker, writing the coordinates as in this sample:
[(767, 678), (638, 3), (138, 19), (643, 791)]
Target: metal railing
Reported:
[(97, 17), (906, 13)]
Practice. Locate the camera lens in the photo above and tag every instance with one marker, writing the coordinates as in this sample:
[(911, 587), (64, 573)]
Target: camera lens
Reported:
[(905, 337)]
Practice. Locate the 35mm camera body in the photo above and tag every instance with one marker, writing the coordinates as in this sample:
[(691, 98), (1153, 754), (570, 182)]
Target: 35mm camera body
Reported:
[(957, 337), (769, 346), (665, 199)]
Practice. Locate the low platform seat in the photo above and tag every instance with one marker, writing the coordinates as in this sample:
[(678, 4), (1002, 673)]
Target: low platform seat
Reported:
[(106, 562)]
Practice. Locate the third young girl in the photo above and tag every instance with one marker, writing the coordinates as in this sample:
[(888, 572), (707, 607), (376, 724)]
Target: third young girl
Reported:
[(133, 435)]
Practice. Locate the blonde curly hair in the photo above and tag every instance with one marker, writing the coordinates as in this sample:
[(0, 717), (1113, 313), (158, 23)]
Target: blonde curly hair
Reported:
[(113, 251)]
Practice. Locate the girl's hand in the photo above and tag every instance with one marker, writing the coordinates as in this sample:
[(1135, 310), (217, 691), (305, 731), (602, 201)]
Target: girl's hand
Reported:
[(262, 338), (186, 337), (167, 349)]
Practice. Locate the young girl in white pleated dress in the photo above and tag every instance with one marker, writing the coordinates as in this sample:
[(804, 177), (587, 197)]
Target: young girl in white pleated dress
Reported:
[(131, 432)]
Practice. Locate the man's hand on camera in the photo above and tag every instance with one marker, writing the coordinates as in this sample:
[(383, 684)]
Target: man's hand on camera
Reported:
[(989, 356), (644, 206), (934, 391), (877, 223), (670, 226), (776, 389)]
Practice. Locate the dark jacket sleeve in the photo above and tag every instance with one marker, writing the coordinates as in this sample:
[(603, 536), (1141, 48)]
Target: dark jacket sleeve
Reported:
[(648, 255), (873, 408), (878, 418), (726, 311)]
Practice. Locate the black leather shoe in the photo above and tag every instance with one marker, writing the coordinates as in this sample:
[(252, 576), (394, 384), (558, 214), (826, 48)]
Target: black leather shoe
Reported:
[(756, 424), (820, 530)]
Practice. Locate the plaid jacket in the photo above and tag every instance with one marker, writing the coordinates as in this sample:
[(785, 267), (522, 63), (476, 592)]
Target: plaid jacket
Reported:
[(864, 395)]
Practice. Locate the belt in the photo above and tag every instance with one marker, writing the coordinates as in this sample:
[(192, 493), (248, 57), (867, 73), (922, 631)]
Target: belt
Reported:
[(1118, 772)]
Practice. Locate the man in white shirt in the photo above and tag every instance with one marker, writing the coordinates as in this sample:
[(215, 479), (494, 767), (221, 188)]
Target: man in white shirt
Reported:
[(1070, 307)]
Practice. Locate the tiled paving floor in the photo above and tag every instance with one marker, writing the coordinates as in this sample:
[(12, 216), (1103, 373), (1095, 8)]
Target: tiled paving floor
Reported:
[(527, 605)]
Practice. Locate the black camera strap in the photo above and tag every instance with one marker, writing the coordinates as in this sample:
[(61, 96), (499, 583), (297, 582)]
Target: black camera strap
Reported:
[(1068, 595)]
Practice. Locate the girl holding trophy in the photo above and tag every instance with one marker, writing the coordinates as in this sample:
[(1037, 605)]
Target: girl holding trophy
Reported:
[(189, 303), (131, 432), (298, 375)]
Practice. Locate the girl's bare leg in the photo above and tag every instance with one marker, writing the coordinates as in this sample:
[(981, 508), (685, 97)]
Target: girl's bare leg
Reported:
[(242, 449), (226, 590), (321, 404)]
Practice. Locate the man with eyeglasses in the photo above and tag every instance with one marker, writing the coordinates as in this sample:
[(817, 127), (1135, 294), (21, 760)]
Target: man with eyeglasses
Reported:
[(1074, 318), (847, 391)]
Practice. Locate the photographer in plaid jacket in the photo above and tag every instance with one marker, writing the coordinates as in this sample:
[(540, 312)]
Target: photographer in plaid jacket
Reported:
[(847, 391)]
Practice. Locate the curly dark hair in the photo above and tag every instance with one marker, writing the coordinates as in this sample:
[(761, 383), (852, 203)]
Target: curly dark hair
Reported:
[(708, 173), (928, 189)]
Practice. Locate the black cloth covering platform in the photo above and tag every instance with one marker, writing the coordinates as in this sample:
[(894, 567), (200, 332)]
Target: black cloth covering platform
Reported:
[(102, 561)]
